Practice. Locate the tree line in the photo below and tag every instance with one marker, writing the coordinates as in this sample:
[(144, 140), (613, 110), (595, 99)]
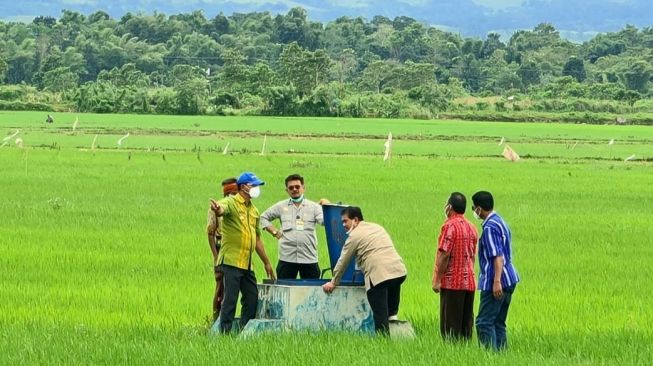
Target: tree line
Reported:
[(286, 64)]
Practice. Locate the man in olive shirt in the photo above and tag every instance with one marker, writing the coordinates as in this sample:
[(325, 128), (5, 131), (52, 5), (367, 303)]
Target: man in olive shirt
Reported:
[(240, 237), (297, 239)]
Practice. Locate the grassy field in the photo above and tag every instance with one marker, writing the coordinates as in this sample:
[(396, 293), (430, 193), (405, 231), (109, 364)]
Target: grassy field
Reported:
[(104, 260)]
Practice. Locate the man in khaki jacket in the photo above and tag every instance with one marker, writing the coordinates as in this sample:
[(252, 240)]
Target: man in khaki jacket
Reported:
[(376, 256)]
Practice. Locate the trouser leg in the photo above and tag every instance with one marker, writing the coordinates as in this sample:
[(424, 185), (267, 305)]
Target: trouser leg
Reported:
[(219, 292), (468, 315), (249, 298), (485, 320), (378, 299), (394, 295), (287, 270), (500, 322), (451, 313), (309, 271), (231, 280)]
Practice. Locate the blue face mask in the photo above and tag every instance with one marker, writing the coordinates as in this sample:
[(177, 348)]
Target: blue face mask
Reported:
[(298, 199)]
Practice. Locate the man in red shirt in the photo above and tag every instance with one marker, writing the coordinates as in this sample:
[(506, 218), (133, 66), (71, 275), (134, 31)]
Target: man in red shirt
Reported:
[(453, 275)]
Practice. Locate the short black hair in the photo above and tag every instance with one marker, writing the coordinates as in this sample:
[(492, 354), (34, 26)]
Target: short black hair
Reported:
[(294, 177), (352, 212), (458, 202), (484, 200), (229, 181)]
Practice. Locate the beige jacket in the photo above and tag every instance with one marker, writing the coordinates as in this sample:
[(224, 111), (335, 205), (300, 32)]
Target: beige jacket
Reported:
[(375, 255)]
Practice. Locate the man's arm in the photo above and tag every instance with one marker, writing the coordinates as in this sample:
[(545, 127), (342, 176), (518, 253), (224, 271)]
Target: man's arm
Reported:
[(267, 217), (497, 289), (217, 208), (441, 264), (347, 253), (260, 250), (212, 227)]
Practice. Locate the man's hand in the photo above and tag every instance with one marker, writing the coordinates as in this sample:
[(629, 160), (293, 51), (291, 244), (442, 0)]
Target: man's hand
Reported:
[(436, 287), (328, 287), (270, 272), (497, 290), (215, 207), (278, 234), (323, 201)]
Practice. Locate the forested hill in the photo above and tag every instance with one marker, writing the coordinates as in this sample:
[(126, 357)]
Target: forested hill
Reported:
[(574, 18), (290, 65)]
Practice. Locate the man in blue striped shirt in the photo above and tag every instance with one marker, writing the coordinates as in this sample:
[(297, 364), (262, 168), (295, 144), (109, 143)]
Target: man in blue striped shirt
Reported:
[(498, 276)]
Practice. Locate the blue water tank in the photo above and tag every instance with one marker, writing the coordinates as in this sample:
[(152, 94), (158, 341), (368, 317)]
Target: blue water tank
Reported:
[(336, 237)]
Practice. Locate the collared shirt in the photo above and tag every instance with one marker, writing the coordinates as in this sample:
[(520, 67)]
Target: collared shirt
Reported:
[(496, 240), (298, 244), (458, 238), (375, 255), (240, 228)]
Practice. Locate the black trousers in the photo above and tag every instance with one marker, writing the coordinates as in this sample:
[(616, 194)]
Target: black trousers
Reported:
[(237, 281), (456, 314), (384, 300), (287, 270)]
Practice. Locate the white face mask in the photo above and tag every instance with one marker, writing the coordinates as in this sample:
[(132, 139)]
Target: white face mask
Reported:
[(446, 211), (476, 216), (353, 226), (255, 192)]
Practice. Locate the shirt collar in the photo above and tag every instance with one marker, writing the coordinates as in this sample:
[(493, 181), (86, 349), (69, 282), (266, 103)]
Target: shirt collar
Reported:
[(240, 199), (488, 216)]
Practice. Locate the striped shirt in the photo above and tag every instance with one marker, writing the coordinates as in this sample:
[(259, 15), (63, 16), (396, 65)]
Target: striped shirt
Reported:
[(240, 228), (496, 240), (458, 237)]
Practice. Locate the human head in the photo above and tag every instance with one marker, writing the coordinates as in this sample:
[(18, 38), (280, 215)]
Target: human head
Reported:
[(456, 203), (246, 181), (351, 216), (229, 187), (482, 203), (295, 186)]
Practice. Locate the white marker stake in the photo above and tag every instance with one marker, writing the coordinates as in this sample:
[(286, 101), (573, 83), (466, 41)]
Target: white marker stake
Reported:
[(226, 149), (265, 141), (93, 144), (11, 136), (503, 139), (76, 123), (388, 147), (122, 139), (632, 157)]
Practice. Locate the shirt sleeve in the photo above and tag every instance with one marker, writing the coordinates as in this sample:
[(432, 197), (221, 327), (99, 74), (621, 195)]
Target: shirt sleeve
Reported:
[(445, 243), (226, 205), (319, 215), (211, 223), (258, 226), (269, 215), (348, 251)]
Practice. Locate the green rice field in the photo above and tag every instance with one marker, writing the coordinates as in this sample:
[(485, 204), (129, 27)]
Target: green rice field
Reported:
[(104, 257)]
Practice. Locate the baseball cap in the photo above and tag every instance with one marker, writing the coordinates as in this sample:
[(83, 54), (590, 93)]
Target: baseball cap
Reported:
[(250, 178)]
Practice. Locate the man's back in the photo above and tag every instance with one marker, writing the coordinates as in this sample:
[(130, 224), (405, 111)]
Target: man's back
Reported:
[(496, 240), (459, 237)]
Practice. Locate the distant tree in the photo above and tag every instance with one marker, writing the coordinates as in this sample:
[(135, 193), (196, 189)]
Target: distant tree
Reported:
[(574, 68), (637, 76), (529, 72)]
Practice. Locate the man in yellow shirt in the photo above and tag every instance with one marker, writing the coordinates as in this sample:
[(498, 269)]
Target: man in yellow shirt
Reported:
[(241, 236)]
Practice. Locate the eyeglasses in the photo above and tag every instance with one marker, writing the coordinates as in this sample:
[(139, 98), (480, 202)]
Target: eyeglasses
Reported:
[(297, 187)]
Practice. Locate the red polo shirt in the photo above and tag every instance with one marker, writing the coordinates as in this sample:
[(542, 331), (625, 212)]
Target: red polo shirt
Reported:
[(459, 237)]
